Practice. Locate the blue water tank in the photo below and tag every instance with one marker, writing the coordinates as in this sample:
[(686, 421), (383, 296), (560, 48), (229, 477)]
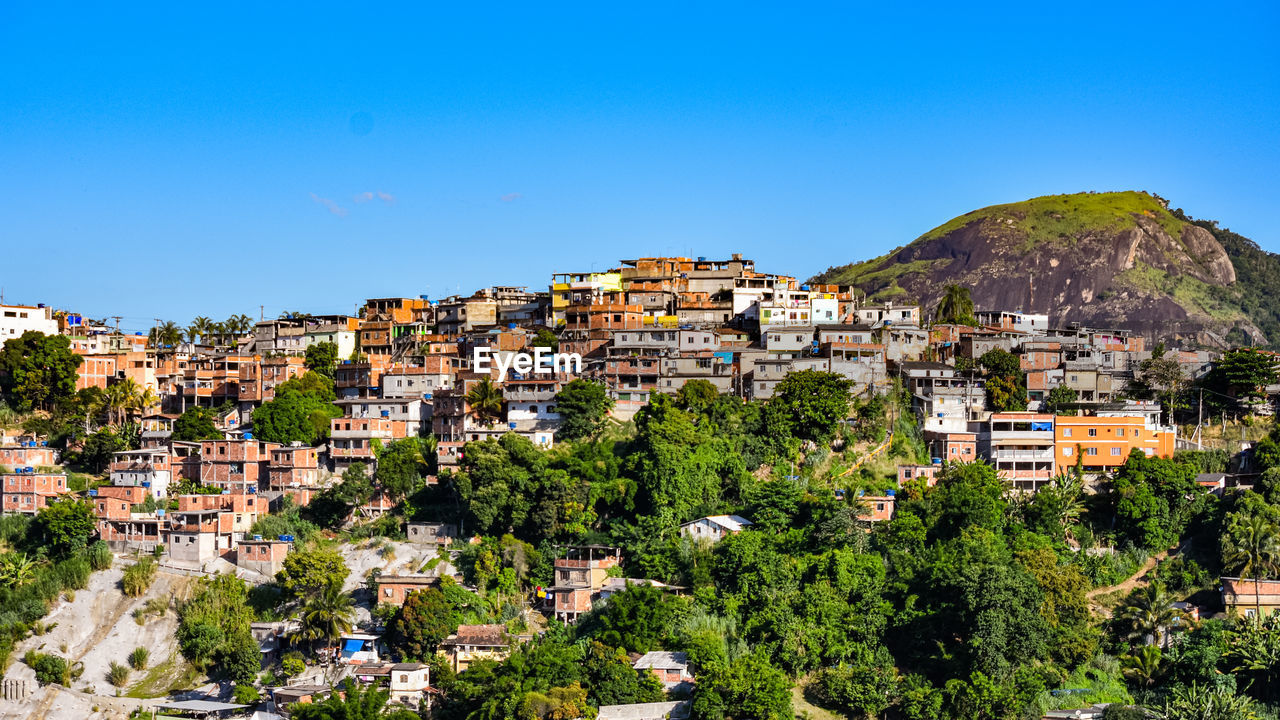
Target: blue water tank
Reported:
[(146, 483), (248, 436), (804, 287), (386, 413), (891, 493), (511, 326), (511, 425), (257, 537), (159, 512), (286, 538), (93, 493), (253, 490)]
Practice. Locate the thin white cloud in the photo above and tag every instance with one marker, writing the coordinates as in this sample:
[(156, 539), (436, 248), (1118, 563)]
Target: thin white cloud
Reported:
[(511, 197), (330, 205), (368, 196)]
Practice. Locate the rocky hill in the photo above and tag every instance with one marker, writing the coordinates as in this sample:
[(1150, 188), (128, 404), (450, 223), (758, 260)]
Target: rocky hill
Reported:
[(1114, 260)]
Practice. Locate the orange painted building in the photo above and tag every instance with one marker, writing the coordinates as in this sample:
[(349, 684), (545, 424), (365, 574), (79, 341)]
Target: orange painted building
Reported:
[(1105, 442)]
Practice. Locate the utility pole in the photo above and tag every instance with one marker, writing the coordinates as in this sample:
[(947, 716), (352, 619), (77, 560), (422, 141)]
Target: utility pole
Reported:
[(117, 319), (262, 313)]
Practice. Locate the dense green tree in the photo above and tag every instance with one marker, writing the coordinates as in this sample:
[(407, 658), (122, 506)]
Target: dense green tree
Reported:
[(402, 466), (545, 338), (321, 358), (213, 628), (101, 446), (425, 619), (196, 424), (37, 370), (813, 402), (65, 526), (862, 687), (612, 680), (1242, 374), (299, 412), (310, 570), (636, 619), (749, 688), (1059, 398), (509, 484), (696, 395), (583, 407)]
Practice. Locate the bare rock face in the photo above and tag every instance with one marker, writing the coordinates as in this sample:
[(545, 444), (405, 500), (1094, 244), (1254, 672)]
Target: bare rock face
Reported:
[(1142, 271)]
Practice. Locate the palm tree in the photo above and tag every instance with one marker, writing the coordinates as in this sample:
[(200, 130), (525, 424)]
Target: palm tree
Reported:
[(1142, 666), (16, 569), (238, 325), (170, 333), (143, 401), (327, 614), (1067, 491), (1251, 548), (199, 328), (1148, 613), (120, 397), (485, 400), (955, 306)]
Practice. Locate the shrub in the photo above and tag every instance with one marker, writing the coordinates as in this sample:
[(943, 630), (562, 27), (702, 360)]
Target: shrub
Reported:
[(118, 675), (100, 557), (293, 665), (49, 668), (138, 577), (246, 694), (138, 658)]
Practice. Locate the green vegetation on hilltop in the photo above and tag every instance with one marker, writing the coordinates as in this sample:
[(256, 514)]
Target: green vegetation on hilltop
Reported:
[(1047, 219), (1052, 218)]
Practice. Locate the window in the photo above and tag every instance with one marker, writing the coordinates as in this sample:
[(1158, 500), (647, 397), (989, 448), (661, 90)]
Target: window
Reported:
[(1066, 432), (1093, 432), (1115, 451), (1066, 451), (387, 591), (1092, 451)]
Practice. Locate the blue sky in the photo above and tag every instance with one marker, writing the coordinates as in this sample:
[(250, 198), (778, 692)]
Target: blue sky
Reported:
[(168, 161)]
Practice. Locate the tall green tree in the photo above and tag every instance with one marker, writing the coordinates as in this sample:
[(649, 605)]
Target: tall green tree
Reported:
[(1251, 548), (326, 614), (65, 526), (421, 624), (583, 407), (196, 424), (813, 403), (402, 466), (322, 358), (955, 306), (38, 371), (485, 399)]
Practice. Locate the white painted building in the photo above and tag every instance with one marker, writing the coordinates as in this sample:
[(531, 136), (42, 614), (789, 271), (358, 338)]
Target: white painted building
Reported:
[(715, 527), (18, 319)]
